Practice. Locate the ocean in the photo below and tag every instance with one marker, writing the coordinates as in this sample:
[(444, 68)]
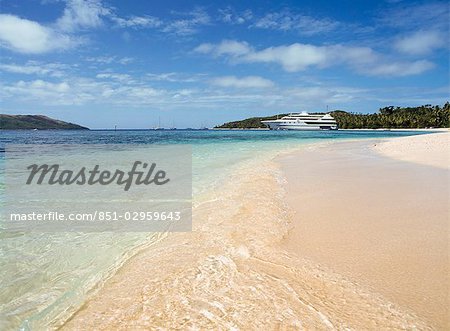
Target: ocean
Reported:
[(46, 276)]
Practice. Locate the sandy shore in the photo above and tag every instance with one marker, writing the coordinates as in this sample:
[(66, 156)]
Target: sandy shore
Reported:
[(353, 240), (379, 221), (430, 149), (240, 270)]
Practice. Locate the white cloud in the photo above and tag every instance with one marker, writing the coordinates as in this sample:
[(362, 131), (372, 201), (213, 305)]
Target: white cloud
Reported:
[(137, 21), (80, 14), (125, 60), (85, 14), (204, 48), (110, 59), (40, 90), (292, 58), (174, 77), (431, 14), (326, 94), (30, 37), (188, 26), (143, 93), (298, 57), (243, 82), (43, 85), (25, 36), (183, 93), (24, 69), (233, 48), (79, 91), (400, 68), (82, 91), (226, 47), (35, 68), (303, 24), (179, 27), (420, 42), (123, 78), (228, 15)]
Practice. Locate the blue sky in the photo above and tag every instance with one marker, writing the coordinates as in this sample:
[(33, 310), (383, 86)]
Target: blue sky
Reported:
[(129, 63)]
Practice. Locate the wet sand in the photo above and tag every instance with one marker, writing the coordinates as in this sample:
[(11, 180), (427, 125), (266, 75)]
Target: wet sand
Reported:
[(233, 272), (381, 222)]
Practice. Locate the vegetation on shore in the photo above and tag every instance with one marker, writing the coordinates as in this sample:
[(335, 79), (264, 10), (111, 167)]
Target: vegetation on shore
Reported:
[(40, 122), (426, 116)]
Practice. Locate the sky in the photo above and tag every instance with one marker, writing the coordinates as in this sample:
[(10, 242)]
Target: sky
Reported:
[(101, 63)]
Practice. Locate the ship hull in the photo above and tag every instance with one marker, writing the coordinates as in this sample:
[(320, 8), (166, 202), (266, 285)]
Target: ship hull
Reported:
[(303, 121), (276, 126)]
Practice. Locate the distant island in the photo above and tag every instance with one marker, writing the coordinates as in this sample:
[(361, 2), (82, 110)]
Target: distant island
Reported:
[(39, 122), (391, 117)]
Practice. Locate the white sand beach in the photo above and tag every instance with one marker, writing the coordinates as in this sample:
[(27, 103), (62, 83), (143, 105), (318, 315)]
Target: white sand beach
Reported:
[(377, 220), (431, 149), (342, 238)]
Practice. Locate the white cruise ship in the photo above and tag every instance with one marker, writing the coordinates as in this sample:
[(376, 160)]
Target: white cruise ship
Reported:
[(303, 121)]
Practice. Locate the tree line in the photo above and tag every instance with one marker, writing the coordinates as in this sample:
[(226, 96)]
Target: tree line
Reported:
[(426, 116), (390, 117)]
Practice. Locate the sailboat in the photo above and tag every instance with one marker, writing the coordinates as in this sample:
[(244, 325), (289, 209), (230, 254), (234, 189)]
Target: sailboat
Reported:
[(202, 127), (159, 124)]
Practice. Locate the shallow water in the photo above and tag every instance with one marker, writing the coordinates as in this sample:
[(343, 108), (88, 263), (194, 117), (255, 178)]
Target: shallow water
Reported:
[(47, 276)]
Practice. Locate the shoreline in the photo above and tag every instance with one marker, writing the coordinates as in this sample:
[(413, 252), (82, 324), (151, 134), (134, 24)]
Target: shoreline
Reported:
[(428, 130), (363, 212), (233, 271)]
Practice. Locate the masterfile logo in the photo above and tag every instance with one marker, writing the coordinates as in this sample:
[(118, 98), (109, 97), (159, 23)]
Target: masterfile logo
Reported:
[(129, 188), (54, 175)]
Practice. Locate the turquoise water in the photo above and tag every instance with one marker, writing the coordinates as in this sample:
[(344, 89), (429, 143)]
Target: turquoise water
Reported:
[(45, 276)]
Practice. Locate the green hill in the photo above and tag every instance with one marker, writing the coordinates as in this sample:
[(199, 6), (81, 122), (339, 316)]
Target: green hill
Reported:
[(249, 123), (388, 117), (30, 122)]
